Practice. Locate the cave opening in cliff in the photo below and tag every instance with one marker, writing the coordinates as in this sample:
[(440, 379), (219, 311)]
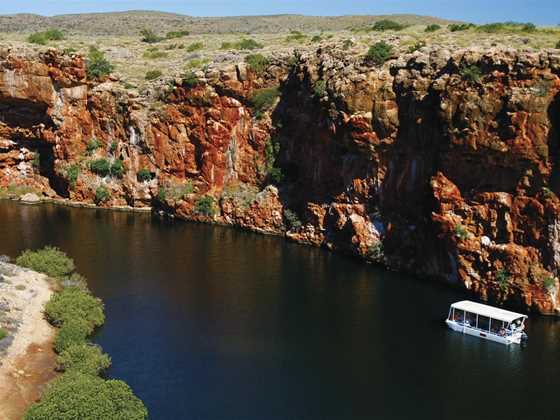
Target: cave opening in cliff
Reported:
[(23, 114), (45, 167), (554, 143)]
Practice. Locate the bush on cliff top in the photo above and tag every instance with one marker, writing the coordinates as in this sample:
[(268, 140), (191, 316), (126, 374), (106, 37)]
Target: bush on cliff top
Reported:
[(471, 74), (244, 44), (87, 397), (83, 358), (457, 27), (387, 25), (49, 260), (150, 36), (42, 38), (379, 53), (257, 63), (176, 34), (97, 66), (153, 74), (432, 28)]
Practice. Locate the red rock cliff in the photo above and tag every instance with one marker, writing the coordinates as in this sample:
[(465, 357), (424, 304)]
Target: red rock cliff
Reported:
[(442, 164)]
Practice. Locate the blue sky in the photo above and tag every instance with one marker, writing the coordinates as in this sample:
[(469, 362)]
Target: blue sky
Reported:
[(478, 11)]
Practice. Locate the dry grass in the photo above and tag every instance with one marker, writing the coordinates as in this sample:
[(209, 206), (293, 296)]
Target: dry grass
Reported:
[(133, 58)]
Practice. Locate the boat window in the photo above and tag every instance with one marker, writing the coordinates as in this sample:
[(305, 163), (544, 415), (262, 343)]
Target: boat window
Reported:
[(483, 322), (496, 326), (470, 319), (458, 315)]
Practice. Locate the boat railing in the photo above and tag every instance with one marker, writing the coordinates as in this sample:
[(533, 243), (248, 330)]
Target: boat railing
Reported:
[(503, 332)]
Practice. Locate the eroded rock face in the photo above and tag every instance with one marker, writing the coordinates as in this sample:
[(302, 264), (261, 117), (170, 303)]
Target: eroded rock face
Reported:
[(443, 164)]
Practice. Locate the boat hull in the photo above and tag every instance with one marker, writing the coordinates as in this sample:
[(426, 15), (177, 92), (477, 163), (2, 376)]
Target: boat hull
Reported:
[(465, 329)]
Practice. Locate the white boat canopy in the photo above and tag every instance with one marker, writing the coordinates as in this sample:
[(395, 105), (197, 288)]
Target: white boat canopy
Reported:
[(488, 311)]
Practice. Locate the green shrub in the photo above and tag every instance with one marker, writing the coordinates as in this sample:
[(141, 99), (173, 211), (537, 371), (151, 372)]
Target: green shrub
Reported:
[(557, 45), (102, 195), (257, 63), (416, 46), (71, 333), (387, 25), (101, 167), (379, 53), (502, 278), (113, 147), (84, 358), (117, 168), (93, 145), (432, 28), (150, 37), (248, 44), (74, 303), (197, 63), (144, 175), (295, 36), (42, 38), (162, 194), (471, 73), (54, 34), (190, 79), (97, 65), (176, 34), (263, 99), (205, 206), (461, 232), (319, 89), (316, 38), (275, 175), (38, 38), (497, 27), (292, 219), (87, 397), (49, 260), (195, 46), (3, 333), (457, 27), (549, 283), (153, 74), (154, 54), (244, 44), (72, 174), (271, 151)]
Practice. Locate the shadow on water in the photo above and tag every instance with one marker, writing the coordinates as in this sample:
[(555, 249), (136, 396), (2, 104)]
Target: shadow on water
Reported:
[(214, 323)]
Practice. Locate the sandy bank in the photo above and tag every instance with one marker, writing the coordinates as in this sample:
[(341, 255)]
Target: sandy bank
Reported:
[(26, 356)]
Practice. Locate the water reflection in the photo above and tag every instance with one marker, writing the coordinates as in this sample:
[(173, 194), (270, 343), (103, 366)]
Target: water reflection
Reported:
[(213, 323)]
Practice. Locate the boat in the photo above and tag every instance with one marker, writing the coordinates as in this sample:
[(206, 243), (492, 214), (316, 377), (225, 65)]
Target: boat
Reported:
[(487, 322)]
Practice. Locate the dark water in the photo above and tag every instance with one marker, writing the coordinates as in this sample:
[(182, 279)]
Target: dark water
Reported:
[(213, 323)]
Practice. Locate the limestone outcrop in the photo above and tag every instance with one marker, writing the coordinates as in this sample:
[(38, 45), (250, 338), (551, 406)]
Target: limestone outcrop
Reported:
[(439, 163)]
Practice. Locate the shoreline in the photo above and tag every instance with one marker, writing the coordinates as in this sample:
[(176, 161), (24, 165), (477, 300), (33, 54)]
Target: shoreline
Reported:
[(27, 360)]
